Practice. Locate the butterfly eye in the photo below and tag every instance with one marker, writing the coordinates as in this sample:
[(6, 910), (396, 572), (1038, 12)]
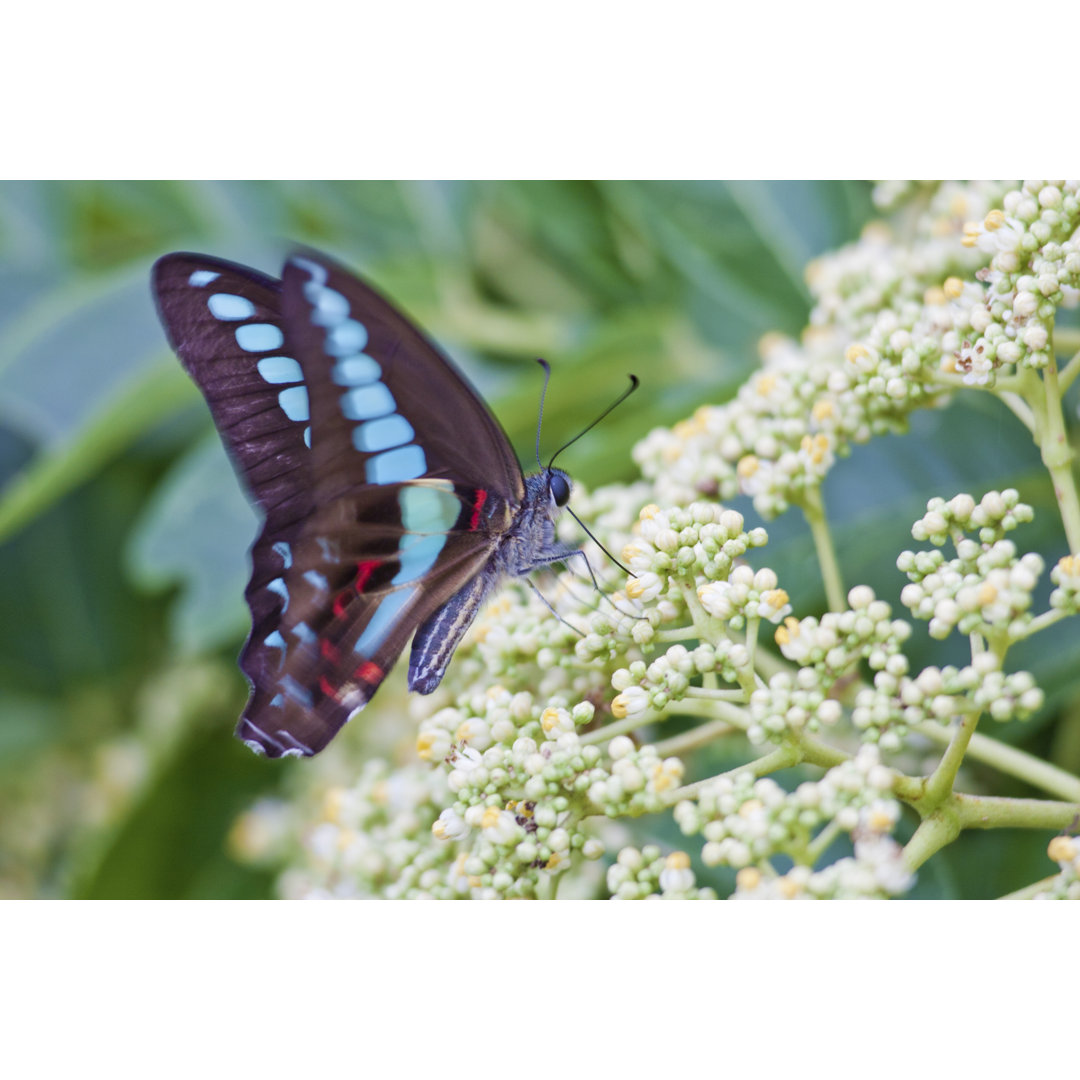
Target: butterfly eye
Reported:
[(559, 488)]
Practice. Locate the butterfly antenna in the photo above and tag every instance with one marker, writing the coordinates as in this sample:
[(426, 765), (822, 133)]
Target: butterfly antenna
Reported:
[(614, 405), (588, 533), (540, 419)]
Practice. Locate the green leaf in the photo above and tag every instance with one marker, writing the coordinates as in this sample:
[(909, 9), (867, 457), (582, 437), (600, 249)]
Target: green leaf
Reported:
[(195, 533)]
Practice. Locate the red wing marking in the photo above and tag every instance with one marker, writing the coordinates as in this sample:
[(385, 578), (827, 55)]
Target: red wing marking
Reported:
[(369, 672), (328, 648), (341, 602), (478, 505), (327, 687), (364, 571)]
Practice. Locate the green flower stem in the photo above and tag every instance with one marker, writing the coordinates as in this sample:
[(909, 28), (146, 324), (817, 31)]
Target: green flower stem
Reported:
[(783, 757), (622, 727), (937, 831), (704, 693), (815, 752), (814, 511), (1019, 408), (1072, 368), (691, 740), (995, 812), (678, 633), (705, 626), (752, 627), (1029, 891), (944, 824), (714, 708), (1057, 456), (939, 785), (1014, 762), (1040, 622), (818, 846), (546, 886)]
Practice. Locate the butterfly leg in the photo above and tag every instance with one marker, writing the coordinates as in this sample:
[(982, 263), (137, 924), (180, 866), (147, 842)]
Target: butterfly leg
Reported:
[(548, 604)]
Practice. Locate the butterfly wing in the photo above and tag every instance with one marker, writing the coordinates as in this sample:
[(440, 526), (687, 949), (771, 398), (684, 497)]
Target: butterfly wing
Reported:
[(385, 479), (224, 321)]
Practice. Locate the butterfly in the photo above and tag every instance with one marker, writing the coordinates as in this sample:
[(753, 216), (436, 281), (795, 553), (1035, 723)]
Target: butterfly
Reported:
[(393, 502)]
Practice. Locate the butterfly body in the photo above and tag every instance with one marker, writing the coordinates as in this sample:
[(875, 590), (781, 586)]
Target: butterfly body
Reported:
[(393, 501)]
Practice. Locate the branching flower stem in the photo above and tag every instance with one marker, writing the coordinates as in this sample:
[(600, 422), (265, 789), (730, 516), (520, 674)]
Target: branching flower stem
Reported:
[(1057, 454), (814, 511)]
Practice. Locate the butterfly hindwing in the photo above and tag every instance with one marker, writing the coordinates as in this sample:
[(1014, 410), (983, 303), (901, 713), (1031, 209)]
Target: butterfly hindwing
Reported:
[(348, 618)]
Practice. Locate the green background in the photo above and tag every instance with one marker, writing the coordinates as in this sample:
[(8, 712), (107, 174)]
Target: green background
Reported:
[(123, 533)]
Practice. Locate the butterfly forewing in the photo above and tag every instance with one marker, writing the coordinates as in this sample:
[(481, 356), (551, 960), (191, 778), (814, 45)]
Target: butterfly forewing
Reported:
[(387, 406), (225, 323)]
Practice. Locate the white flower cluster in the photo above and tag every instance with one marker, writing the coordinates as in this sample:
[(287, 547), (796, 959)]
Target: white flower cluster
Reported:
[(997, 513), (746, 823), (986, 589), (884, 712), (702, 540), (642, 686), (522, 782), (373, 839), (894, 327), (649, 875), (833, 644), (876, 872), (768, 442), (1034, 269), (1066, 576), (745, 595), (635, 781), (791, 703), (1065, 851)]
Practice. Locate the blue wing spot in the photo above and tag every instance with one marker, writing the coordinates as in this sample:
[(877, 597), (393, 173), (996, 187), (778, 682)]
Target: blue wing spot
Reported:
[(295, 403), (358, 370), (367, 402), (276, 641), (330, 306), (427, 509), (346, 337), (417, 556), (295, 691), (259, 337), (381, 434), (284, 552), (396, 466), (280, 369), (305, 633), (277, 701), (199, 278), (307, 437), (278, 586), (313, 577), (382, 620), (230, 308), (317, 272)]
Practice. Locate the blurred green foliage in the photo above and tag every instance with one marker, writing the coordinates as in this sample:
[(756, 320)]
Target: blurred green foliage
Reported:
[(123, 532)]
